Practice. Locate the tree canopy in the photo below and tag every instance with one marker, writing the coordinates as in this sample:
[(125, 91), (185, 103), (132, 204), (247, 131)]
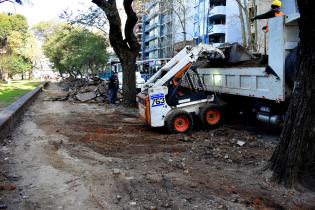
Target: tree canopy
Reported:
[(73, 50), (10, 23), (17, 46)]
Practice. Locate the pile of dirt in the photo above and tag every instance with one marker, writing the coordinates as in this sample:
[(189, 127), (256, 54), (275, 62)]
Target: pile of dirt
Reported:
[(92, 90)]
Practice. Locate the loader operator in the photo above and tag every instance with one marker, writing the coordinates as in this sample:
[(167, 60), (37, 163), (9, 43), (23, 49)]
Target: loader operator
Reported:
[(274, 12)]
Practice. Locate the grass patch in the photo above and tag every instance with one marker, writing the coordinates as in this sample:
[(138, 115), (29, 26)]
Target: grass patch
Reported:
[(9, 93)]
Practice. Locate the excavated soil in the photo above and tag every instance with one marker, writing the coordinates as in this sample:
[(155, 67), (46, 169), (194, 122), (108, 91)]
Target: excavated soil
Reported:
[(67, 155)]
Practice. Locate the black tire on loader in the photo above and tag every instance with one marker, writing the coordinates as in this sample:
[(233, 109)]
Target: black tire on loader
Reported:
[(210, 116), (179, 121)]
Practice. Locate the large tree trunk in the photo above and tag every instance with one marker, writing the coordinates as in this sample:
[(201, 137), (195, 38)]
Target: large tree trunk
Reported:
[(126, 49), (293, 161), (129, 89)]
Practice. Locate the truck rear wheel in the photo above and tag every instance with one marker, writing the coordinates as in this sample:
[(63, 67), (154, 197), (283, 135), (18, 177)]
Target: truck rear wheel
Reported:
[(210, 116), (179, 121)]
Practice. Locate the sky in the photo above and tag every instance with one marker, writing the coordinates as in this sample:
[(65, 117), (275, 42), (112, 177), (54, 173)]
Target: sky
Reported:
[(43, 10)]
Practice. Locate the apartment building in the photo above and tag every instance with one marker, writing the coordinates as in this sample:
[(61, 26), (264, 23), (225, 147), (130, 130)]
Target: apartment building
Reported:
[(138, 7), (162, 28), (157, 31), (217, 22)]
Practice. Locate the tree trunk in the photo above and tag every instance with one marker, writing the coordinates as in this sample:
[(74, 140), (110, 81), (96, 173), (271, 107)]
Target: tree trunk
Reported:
[(248, 26), (255, 27), (129, 88), (293, 162), (126, 49), (243, 27)]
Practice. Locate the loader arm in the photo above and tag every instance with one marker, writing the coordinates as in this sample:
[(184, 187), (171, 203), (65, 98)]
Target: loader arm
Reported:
[(179, 64)]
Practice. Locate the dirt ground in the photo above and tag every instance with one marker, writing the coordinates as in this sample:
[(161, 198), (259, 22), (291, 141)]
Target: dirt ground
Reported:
[(67, 155)]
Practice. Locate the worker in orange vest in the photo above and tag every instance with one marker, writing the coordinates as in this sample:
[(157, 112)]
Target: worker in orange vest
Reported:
[(274, 12)]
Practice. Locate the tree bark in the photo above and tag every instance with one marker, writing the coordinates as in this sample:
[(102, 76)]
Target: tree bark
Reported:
[(244, 37), (248, 27), (244, 8), (255, 26), (293, 162), (126, 50)]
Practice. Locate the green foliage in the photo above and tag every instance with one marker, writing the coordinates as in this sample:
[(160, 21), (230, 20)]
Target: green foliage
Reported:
[(9, 23), (17, 46), (15, 64), (71, 50), (45, 29)]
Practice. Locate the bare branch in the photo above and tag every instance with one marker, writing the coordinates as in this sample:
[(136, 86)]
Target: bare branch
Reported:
[(115, 33), (94, 17)]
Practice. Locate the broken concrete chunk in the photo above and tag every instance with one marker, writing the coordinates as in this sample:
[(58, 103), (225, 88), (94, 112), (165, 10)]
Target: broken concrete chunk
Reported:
[(240, 143), (3, 206), (86, 96), (102, 89), (116, 171), (89, 88), (100, 99), (118, 197), (133, 203)]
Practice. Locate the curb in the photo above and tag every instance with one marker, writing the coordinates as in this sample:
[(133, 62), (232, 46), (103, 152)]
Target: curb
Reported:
[(10, 116)]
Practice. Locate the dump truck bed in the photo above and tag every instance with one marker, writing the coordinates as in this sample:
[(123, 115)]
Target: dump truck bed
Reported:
[(244, 81), (259, 82)]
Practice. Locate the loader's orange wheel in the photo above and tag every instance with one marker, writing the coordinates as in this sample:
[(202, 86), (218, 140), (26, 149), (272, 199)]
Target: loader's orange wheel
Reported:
[(181, 124), (210, 116), (213, 116)]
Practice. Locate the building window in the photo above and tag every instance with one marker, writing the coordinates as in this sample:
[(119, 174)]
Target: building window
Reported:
[(217, 20), (214, 3), (217, 38)]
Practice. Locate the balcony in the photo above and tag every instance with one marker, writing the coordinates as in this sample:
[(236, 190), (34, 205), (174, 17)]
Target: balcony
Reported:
[(217, 10), (216, 29), (166, 33), (150, 27), (149, 49), (149, 38), (217, 44)]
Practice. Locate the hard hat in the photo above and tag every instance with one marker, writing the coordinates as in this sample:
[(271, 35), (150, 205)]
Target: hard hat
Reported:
[(277, 3)]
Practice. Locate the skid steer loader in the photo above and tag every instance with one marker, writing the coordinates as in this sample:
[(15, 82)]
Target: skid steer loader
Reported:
[(176, 93)]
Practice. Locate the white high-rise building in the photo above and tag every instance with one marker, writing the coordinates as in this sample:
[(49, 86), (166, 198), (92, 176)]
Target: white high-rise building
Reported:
[(217, 21)]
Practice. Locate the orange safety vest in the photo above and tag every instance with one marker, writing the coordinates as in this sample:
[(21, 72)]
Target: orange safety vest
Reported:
[(278, 14)]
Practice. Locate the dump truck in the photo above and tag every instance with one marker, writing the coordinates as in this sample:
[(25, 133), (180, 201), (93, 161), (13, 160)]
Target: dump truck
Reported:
[(205, 83)]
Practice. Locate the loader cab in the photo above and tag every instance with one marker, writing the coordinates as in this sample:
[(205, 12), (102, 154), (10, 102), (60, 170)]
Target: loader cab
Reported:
[(185, 88)]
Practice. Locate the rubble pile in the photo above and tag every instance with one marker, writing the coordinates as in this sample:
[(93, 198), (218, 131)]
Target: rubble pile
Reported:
[(84, 90)]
